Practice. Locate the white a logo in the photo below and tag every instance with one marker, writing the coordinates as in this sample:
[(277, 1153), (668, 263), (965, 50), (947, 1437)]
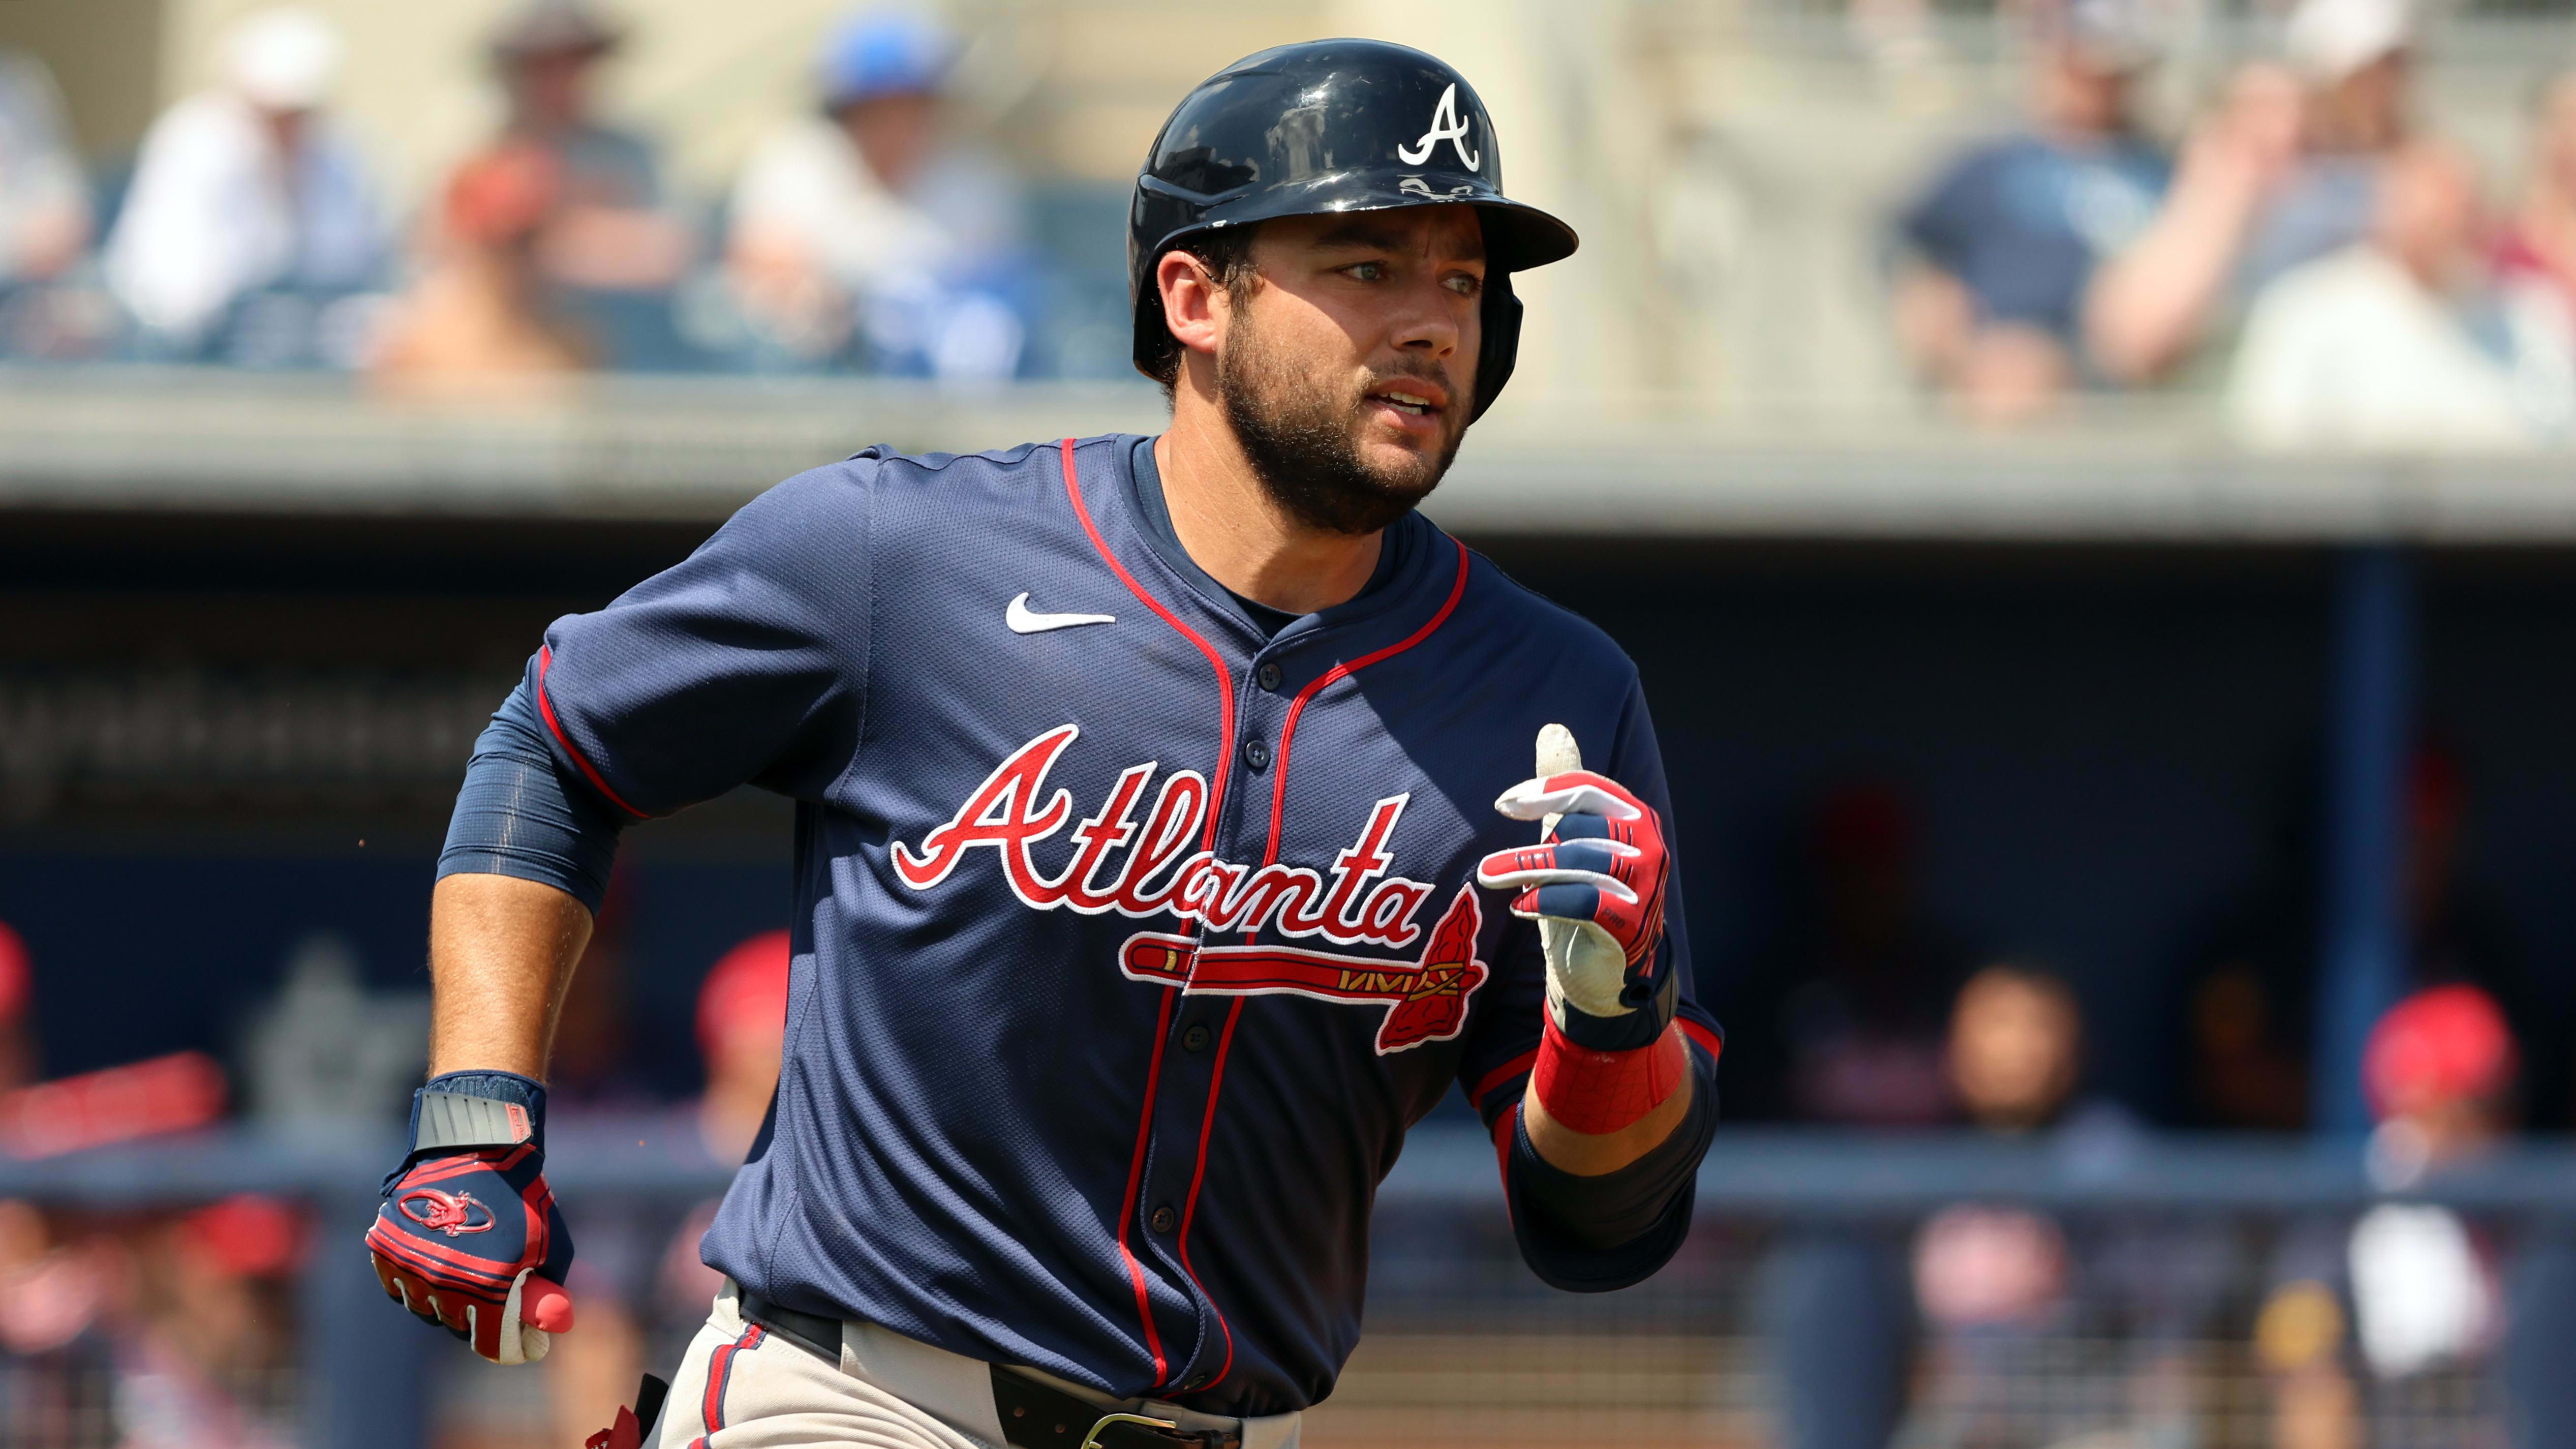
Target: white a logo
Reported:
[(1445, 126)]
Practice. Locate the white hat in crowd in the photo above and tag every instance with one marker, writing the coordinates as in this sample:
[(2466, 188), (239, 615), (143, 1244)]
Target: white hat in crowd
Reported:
[(2328, 40), (283, 60)]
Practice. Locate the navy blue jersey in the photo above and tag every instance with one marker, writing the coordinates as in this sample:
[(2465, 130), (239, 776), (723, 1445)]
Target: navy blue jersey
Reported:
[(1128, 938)]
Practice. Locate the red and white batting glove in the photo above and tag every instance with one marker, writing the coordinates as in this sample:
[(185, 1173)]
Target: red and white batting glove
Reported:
[(1596, 882), (468, 1236)]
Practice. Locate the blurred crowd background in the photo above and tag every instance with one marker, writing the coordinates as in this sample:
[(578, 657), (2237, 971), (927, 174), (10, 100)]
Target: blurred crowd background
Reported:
[(2339, 222), (2068, 1112)]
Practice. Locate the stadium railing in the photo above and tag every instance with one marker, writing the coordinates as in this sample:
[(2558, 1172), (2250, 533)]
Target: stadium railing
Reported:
[(1464, 1347)]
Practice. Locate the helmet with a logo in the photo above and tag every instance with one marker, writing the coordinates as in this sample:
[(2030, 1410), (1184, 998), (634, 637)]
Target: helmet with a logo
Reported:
[(1332, 126)]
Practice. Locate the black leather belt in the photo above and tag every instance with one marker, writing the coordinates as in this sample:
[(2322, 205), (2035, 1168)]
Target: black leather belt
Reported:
[(1033, 1415)]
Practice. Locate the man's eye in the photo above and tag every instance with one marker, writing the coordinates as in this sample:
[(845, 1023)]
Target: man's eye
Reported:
[(1466, 286), (1369, 272)]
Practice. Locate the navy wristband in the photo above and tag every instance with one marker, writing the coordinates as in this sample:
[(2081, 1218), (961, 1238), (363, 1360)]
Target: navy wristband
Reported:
[(1656, 995)]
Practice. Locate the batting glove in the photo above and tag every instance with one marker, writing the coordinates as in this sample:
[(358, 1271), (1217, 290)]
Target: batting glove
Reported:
[(468, 1236), (1599, 869)]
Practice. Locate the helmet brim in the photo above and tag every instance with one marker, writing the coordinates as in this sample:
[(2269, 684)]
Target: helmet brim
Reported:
[(1518, 236)]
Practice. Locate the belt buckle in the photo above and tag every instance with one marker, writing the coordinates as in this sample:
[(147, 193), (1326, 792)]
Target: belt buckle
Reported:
[(1092, 1439)]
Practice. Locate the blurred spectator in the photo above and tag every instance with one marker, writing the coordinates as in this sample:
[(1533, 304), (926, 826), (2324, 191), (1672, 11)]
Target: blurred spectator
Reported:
[(1989, 1279), (2537, 258), (1997, 1285), (249, 188), (44, 199), (481, 310), (19, 1065), (2420, 1286), (2016, 1047), (2440, 1070), (1844, 1024), (742, 1029), (1996, 1288), (870, 220), (53, 1351), (2285, 172), (202, 1365), (51, 305), (2250, 1004), (2001, 245), (2397, 341), (608, 229)]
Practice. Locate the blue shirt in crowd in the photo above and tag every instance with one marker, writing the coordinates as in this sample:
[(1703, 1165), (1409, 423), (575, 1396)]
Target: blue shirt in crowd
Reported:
[(2022, 222)]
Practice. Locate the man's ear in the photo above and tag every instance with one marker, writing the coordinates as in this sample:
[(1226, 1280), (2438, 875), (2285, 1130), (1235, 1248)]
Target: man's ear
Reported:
[(1194, 302)]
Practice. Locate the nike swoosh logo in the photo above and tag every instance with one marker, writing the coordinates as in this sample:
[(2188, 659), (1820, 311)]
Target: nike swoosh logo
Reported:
[(1025, 620)]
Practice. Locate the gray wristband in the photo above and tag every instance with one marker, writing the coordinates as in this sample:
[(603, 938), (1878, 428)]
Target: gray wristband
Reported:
[(453, 1119)]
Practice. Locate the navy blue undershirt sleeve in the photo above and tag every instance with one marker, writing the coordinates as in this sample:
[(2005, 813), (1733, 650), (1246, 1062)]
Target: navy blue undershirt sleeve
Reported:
[(517, 815), (1594, 1234)]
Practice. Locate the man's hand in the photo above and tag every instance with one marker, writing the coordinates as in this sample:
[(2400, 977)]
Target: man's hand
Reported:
[(1600, 868), (1611, 1079), (468, 1235)]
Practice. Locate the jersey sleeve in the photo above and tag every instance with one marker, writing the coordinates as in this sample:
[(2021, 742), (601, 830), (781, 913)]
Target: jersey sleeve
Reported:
[(1500, 1054), (746, 663)]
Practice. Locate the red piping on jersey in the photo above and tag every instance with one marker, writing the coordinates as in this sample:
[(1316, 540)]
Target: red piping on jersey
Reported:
[(1270, 856), (1162, 1024), (1190, 1208), (546, 707), (1709, 1041), (1135, 1174), (1224, 679), (1297, 706), (1502, 1074)]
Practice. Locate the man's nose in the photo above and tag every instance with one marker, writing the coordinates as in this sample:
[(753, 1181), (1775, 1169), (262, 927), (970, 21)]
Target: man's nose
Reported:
[(1427, 321)]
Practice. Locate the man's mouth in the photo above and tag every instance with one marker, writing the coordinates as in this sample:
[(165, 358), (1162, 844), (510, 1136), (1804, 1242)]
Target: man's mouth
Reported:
[(1421, 400)]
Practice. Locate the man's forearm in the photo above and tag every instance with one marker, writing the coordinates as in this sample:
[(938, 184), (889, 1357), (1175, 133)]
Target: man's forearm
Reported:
[(1599, 1209), (1588, 1154), (2147, 306), (501, 954)]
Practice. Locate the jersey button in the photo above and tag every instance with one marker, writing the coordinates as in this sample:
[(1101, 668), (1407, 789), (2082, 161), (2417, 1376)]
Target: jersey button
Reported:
[(1196, 1038), (1256, 754), (1163, 1219), (1269, 677)]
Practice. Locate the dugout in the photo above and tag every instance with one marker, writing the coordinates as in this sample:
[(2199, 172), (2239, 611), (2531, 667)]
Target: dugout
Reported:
[(2122, 675)]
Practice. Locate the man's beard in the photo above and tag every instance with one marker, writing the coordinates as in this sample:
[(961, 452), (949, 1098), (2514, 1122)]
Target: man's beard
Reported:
[(1299, 437)]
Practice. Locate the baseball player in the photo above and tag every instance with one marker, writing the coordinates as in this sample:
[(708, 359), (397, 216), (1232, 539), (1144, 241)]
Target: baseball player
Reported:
[(1150, 875)]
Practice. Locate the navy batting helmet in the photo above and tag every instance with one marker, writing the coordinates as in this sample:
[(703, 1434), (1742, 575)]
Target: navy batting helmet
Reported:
[(1333, 125)]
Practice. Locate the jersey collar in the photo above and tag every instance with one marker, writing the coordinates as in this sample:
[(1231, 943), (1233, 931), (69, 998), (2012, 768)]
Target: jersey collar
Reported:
[(1412, 583)]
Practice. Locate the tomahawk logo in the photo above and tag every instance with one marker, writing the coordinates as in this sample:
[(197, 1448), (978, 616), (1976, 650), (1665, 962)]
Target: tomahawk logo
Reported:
[(449, 1213), (1445, 126), (1426, 1000)]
